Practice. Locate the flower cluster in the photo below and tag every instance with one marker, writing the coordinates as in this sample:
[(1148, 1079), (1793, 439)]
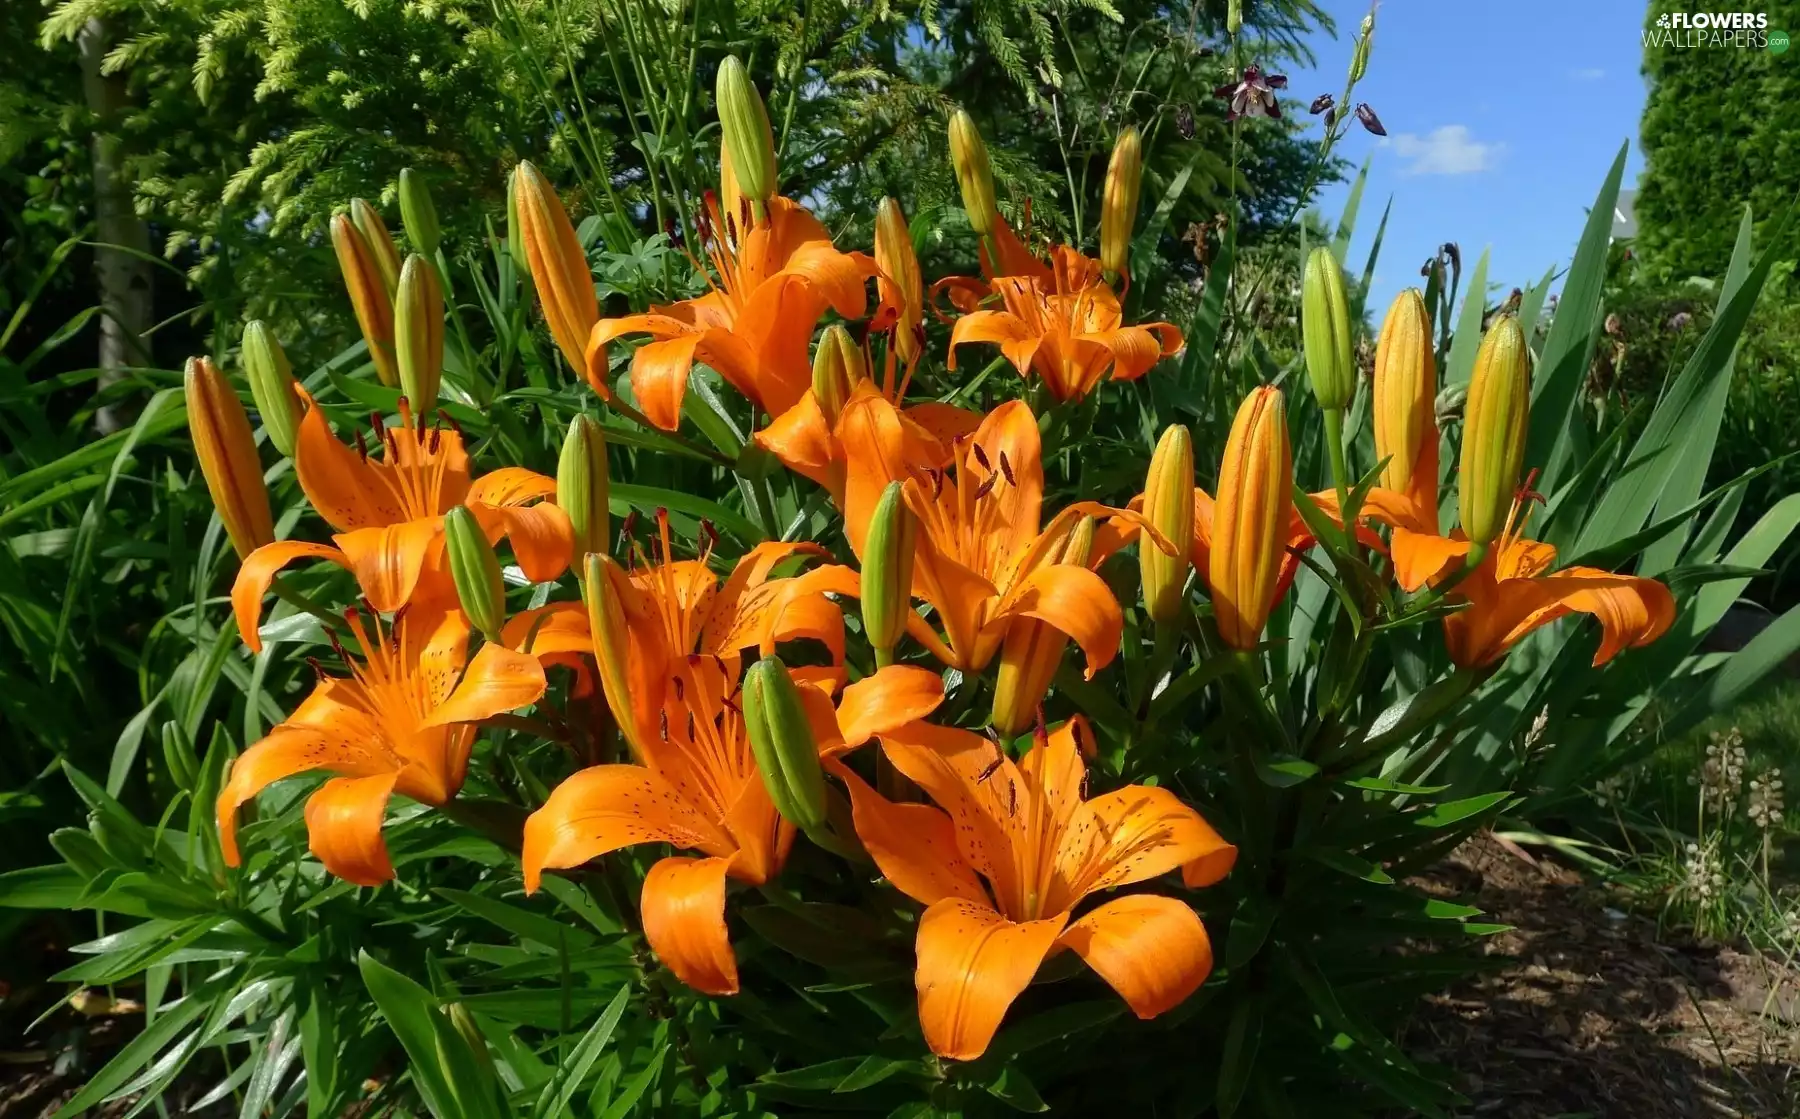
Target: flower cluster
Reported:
[(1721, 776), (1765, 803)]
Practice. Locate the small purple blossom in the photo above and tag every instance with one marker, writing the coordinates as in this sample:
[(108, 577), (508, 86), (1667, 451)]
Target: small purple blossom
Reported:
[(1369, 120), (1254, 96), (1322, 103)]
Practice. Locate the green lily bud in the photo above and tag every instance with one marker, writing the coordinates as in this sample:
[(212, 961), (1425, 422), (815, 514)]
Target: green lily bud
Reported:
[(419, 333), (476, 571), (748, 137), (465, 1025), (178, 755), (1359, 55), (974, 175), (583, 487), (272, 386), (1234, 16), (380, 242), (1325, 329), (887, 571), (1494, 422), (782, 740), (418, 214), (837, 368)]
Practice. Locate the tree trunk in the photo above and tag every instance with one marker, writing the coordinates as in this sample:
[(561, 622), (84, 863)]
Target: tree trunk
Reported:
[(124, 280)]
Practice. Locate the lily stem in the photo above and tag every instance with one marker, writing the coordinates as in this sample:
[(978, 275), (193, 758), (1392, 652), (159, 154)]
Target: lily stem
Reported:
[(1340, 468)]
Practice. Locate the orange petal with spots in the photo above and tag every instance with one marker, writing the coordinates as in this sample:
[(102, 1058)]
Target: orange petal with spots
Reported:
[(683, 909), (1152, 950), (607, 807), (343, 827), (972, 964)]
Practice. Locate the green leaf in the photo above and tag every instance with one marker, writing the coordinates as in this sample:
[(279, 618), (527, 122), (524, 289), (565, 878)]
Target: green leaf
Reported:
[(874, 1070), (157, 1035), (522, 923), (1283, 771), (1383, 785), (1014, 1089), (1238, 1058), (1346, 863), (1053, 1025), (57, 886), (626, 495), (1460, 365), (554, 1101), (445, 1070), (824, 1076), (1346, 227), (1456, 811), (1203, 329)]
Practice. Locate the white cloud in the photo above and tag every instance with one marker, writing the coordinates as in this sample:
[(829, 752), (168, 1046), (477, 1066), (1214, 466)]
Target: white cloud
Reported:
[(1590, 74), (1449, 150)]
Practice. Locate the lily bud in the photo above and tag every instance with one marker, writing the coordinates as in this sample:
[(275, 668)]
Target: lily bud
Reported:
[(515, 237), (1118, 211), (747, 135), (381, 243), (968, 155), (465, 1025), (1033, 649), (838, 368), (1169, 505), (418, 214), (887, 571), (271, 385), (226, 448), (781, 739), (1359, 55), (1250, 518), (370, 297), (419, 333), (601, 579), (476, 571), (559, 270), (1325, 329), (1494, 419), (583, 487), (1234, 16), (899, 280), (1404, 390)]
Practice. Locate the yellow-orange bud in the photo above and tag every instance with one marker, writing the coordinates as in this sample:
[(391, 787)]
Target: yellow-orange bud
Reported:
[(419, 333), (1118, 210), (899, 282), (226, 448), (747, 136), (968, 155), (370, 296), (382, 249), (560, 272), (1250, 518), (838, 367), (1169, 505), (601, 589), (1405, 390), (1034, 649), (1494, 421), (1325, 330)]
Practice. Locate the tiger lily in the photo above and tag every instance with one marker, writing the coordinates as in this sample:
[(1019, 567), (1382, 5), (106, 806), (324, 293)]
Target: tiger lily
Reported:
[(401, 722), (698, 788), (770, 281), (389, 513), (808, 442), (981, 559), (1513, 591), (1067, 329), (1012, 257), (1007, 854)]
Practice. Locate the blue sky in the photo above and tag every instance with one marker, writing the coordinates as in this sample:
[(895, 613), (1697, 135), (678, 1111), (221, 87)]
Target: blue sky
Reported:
[(1501, 120)]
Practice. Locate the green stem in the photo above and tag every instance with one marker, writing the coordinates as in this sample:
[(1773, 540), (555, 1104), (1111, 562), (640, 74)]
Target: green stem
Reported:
[(1340, 469)]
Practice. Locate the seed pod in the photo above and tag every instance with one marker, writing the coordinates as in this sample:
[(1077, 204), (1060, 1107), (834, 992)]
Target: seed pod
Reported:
[(1404, 388), (887, 570), (418, 214), (838, 367), (975, 177), (781, 738), (899, 282), (1250, 518), (370, 296), (1494, 424), (1325, 329), (1359, 55), (583, 487), (1169, 505), (1118, 211), (271, 385), (419, 333), (1034, 649), (475, 569), (559, 271), (381, 243), (601, 581), (226, 448), (747, 135)]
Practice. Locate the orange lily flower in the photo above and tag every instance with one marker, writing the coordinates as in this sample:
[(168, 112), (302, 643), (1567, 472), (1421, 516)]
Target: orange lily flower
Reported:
[(1015, 259), (809, 443), (770, 281), (1513, 591), (1041, 847), (698, 789), (1067, 328), (401, 722), (981, 557), (389, 513)]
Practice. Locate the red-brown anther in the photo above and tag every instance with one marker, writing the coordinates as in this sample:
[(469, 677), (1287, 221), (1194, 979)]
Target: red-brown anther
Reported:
[(664, 726), (1006, 469), (981, 457)]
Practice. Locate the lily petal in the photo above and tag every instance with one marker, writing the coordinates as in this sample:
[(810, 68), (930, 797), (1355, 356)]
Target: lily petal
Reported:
[(387, 560), (1420, 557), (1074, 601), (802, 440), (1017, 341), (1152, 950), (972, 964), (498, 679), (258, 572), (1133, 834), (510, 485), (288, 750), (683, 908), (914, 845), (343, 827), (346, 488), (607, 807), (659, 377), (894, 696), (541, 537)]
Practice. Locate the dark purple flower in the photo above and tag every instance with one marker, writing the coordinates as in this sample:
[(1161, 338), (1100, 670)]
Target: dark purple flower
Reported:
[(1254, 96), (1322, 103), (1369, 120)]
